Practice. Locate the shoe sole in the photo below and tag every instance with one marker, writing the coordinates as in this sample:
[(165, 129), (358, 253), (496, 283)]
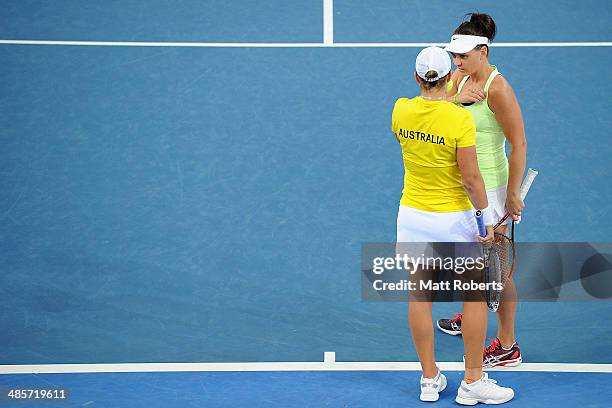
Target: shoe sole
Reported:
[(433, 398), (436, 396), (506, 363), (451, 332), (471, 401)]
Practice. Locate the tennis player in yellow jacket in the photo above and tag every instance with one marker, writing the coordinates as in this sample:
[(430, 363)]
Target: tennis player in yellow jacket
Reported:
[(442, 187)]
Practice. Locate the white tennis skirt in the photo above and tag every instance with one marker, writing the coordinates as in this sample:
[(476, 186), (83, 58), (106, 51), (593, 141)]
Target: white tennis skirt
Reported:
[(424, 226), (497, 203), (458, 226)]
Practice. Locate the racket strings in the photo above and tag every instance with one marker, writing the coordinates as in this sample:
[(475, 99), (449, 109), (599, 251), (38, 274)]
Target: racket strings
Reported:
[(503, 249), (500, 267)]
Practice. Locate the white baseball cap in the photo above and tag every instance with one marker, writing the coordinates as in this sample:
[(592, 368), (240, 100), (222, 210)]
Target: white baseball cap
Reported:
[(432, 59), (461, 44)]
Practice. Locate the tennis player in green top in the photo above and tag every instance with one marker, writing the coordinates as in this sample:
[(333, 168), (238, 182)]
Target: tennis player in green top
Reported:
[(482, 90)]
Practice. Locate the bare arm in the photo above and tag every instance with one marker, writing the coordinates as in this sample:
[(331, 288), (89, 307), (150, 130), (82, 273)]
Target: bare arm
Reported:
[(504, 104), (471, 177), (473, 183)]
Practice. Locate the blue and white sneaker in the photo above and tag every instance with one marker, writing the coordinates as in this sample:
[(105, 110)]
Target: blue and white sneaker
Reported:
[(432, 387), (484, 390)]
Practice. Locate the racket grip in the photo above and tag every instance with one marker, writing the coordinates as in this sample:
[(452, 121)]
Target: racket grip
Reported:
[(526, 185), (482, 229)]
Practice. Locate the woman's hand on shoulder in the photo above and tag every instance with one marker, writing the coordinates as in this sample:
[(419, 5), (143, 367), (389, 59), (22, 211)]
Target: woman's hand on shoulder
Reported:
[(468, 94)]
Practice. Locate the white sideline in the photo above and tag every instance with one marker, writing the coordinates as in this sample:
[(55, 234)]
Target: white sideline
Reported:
[(286, 45), (329, 364)]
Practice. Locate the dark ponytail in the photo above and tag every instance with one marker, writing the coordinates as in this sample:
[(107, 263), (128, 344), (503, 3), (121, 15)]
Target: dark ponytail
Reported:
[(479, 24)]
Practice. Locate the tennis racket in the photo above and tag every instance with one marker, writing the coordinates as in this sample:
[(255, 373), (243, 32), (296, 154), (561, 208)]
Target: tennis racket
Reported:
[(500, 256)]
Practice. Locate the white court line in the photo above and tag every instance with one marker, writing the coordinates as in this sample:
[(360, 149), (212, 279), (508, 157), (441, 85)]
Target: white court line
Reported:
[(328, 21), (287, 45), (284, 366)]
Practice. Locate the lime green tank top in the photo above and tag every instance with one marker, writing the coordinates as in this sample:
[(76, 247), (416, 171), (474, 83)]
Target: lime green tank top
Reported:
[(490, 139)]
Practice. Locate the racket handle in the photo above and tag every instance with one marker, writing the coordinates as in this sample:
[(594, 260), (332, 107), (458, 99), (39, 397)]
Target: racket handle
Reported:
[(482, 229), (526, 185)]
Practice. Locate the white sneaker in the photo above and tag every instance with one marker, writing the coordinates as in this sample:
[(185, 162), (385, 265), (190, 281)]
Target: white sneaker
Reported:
[(432, 387), (484, 390)]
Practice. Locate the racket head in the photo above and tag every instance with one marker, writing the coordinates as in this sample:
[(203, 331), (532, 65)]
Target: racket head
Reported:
[(504, 246), (501, 255), (493, 274)]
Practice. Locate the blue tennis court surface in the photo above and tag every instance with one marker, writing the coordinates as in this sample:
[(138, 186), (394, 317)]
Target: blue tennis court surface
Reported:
[(157, 20), (303, 389), (428, 21), (174, 204)]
